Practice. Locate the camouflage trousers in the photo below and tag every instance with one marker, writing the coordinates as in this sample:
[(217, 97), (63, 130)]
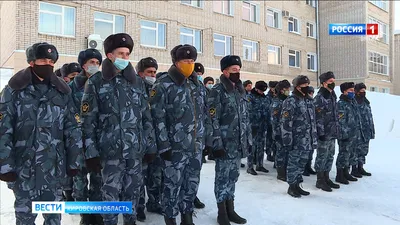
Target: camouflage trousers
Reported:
[(152, 183), (68, 185), (256, 156), (122, 179), (362, 149), (270, 145), (281, 157), (346, 156), (297, 160), (81, 182), (226, 176), (181, 182), (23, 206), (325, 155)]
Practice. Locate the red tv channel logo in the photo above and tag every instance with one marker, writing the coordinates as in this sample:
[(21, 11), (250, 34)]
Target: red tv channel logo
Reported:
[(372, 29)]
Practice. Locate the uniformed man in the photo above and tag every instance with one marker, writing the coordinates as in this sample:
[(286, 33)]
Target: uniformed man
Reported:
[(40, 142), (209, 83), (117, 126), (199, 70), (152, 172), (248, 85), (69, 71), (270, 149), (259, 113), (349, 132), (182, 122), (282, 90), (368, 129), (308, 170), (327, 130), (298, 131), (232, 136), (90, 61)]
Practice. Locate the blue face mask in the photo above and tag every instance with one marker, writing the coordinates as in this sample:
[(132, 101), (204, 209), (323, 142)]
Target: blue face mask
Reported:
[(121, 63), (200, 78), (350, 95)]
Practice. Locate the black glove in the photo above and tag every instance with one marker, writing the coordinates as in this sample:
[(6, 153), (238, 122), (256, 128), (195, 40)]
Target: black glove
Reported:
[(250, 148), (167, 156), (148, 158), (346, 140), (278, 138), (322, 138), (72, 172), (8, 177), (254, 132), (94, 165), (220, 153)]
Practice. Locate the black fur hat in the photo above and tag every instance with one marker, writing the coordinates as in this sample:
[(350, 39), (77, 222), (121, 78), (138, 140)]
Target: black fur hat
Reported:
[(146, 63), (281, 85), (230, 60), (57, 72), (70, 68), (310, 90), (345, 86), (299, 80), (261, 85), (87, 54), (198, 67), (272, 84), (205, 80), (359, 86), (119, 40), (180, 52), (41, 50), (326, 76)]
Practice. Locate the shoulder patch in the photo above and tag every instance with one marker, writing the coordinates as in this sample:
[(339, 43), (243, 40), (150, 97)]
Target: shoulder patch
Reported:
[(286, 114), (85, 107), (276, 112), (341, 115), (152, 93), (212, 112), (1, 116), (77, 118), (319, 110)]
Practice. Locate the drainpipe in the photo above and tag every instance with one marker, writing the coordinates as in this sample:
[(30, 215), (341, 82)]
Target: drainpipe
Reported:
[(318, 43)]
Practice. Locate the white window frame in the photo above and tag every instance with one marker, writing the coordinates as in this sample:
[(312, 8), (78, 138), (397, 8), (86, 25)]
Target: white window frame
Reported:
[(107, 21), (314, 30), (278, 54), (193, 36), (380, 4), (62, 19), (295, 55), (254, 44), (270, 12), (385, 90), (225, 42), (382, 33), (157, 35), (311, 3), (193, 3), (309, 57), (373, 89), (376, 55), (231, 5), (298, 25), (256, 7)]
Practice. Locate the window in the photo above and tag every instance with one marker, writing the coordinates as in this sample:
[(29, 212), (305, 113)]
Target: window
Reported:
[(378, 63), (191, 37), (312, 61), (251, 11), (106, 24), (274, 18), (373, 89), (311, 30), (222, 45), (56, 19), (386, 90), (250, 50), (310, 3), (380, 3), (152, 34), (224, 7), (382, 32), (195, 3), (294, 58), (294, 25), (274, 55)]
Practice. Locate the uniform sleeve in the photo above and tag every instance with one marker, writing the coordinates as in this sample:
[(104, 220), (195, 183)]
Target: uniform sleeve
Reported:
[(372, 124), (319, 115), (158, 112), (287, 122), (73, 136), (90, 120), (214, 102), (148, 129), (342, 116), (207, 122), (275, 118), (7, 118), (253, 112)]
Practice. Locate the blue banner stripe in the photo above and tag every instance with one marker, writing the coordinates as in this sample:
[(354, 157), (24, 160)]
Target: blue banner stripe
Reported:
[(347, 29)]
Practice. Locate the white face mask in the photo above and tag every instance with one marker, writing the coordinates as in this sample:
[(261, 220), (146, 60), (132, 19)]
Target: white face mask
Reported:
[(151, 80), (209, 85), (92, 69)]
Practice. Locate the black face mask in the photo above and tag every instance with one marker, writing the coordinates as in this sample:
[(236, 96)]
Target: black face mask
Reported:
[(304, 90), (331, 86), (234, 77), (43, 71), (361, 94)]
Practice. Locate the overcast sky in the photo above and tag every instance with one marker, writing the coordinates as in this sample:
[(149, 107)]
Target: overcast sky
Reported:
[(397, 15)]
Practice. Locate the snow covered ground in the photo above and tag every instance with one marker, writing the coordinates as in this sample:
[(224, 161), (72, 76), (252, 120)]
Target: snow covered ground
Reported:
[(262, 200)]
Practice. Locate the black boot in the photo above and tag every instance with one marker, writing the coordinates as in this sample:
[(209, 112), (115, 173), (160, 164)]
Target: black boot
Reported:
[(141, 216), (67, 195), (340, 177), (306, 172), (262, 169), (242, 165), (347, 175), (130, 223), (198, 204), (310, 169), (281, 173), (362, 171), (301, 191), (97, 219), (321, 182), (222, 218), (270, 158), (355, 172), (210, 156), (203, 159), (169, 221), (329, 182), (85, 219), (232, 215), (156, 209), (187, 219), (251, 171), (292, 191)]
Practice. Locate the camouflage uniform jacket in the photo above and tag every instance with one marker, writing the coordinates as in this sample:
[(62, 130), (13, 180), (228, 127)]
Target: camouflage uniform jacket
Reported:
[(39, 136), (77, 87), (230, 119), (258, 112), (349, 118), (367, 121), (326, 114), (298, 125), (116, 119), (275, 115)]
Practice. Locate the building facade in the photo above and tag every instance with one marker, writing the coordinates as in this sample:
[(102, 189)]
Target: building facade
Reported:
[(396, 59)]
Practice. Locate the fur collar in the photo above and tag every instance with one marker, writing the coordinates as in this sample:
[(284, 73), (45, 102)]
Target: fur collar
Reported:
[(254, 92), (109, 71), (229, 86), (80, 80), (327, 94), (23, 78), (176, 75), (362, 100), (298, 94)]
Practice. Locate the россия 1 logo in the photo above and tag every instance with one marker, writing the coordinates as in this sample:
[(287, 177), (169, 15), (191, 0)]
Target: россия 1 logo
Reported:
[(353, 29)]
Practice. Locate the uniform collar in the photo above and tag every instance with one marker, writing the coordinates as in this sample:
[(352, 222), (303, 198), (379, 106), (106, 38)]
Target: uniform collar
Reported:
[(109, 71), (80, 80), (229, 86)]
